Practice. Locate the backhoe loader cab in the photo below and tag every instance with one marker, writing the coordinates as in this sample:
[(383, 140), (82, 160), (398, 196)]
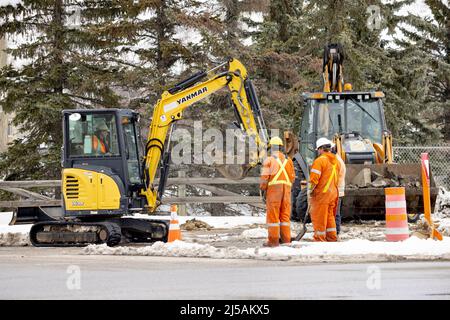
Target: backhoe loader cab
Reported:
[(355, 122), (356, 117)]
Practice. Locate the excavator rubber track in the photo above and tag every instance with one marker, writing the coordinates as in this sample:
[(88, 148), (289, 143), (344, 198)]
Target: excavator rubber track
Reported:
[(51, 229), (71, 234)]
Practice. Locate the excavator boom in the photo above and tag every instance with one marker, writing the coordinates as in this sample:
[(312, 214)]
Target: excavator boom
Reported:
[(174, 101)]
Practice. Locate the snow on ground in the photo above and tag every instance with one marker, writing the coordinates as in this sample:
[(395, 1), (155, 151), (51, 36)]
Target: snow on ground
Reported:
[(443, 203), (441, 215), (226, 222), (255, 233), (242, 237), (12, 235), (413, 248)]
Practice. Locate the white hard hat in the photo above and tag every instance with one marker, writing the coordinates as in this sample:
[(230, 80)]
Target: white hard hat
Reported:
[(323, 142)]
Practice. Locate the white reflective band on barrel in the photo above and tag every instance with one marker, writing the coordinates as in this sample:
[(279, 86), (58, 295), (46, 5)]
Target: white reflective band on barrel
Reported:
[(174, 226), (395, 204), (397, 231), (273, 224), (285, 224), (331, 229), (320, 233), (316, 171)]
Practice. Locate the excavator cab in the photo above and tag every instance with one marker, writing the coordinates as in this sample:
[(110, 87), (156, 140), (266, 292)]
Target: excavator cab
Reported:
[(101, 144)]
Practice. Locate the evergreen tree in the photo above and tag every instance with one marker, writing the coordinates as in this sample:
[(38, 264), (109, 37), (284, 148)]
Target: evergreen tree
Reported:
[(164, 33), (61, 69), (369, 64), (283, 68), (429, 40)]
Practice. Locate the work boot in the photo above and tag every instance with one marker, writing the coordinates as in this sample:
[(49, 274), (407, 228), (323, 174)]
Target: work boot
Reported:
[(270, 245)]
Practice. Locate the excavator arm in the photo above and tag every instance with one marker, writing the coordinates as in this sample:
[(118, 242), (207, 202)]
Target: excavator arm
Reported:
[(170, 108)]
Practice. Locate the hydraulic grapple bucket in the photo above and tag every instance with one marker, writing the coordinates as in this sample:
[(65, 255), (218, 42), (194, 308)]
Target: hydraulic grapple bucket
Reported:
[(364, 192)]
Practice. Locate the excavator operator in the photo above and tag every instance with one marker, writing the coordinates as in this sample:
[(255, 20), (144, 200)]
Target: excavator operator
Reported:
[(100, 139), (276, 180)]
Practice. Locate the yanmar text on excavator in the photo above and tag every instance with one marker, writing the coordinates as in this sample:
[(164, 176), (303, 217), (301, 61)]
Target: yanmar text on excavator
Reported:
[(106, 176)]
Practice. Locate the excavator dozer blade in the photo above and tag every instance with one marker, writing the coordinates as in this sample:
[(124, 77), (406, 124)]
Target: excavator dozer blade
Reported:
[(364, 192), (29, 215)]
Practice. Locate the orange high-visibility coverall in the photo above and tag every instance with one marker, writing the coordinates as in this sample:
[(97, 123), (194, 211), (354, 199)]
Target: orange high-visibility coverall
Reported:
[(276, 179), (324, 174)]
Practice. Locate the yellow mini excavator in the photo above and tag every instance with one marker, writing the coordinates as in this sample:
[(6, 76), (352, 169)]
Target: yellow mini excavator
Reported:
[(355, 122), (106, 176)]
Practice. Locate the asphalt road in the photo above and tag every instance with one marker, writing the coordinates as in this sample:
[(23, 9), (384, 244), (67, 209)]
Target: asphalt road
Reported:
[(50, 273)]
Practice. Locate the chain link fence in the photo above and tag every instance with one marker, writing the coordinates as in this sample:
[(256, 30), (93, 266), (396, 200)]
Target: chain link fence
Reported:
[(439, 160)]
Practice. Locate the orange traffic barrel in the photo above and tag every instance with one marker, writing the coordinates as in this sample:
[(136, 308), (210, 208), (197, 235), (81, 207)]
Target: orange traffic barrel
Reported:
[(396, 214)]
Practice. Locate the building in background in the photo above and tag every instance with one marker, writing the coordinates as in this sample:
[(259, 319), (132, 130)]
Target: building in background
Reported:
[(8, 132)]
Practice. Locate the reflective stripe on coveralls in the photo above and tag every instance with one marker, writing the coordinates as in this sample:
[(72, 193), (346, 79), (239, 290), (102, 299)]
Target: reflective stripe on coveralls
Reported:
[(333, 175), (324, 196), (280, 171)]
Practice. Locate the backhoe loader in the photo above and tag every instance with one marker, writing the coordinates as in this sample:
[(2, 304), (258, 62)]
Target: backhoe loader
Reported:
[(355, 122), (105, 180)]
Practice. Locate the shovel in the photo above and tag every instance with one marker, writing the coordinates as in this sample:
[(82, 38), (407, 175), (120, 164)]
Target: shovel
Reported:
[(303, 228)]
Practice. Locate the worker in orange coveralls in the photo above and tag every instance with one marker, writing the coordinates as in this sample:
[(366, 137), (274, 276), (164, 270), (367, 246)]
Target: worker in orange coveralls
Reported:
[(323, 191), (276, 180)]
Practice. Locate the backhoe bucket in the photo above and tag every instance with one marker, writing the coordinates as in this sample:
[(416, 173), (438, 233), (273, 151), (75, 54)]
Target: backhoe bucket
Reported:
[(364, 192)]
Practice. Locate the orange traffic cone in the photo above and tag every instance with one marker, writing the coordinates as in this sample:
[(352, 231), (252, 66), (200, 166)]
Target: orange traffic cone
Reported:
[(174, 228)]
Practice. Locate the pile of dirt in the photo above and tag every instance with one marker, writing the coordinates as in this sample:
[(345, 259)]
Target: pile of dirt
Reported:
[(195, 224), (368, 178), (421, 229)]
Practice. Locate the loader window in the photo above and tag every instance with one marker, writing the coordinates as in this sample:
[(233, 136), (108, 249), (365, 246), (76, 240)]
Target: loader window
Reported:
[(92, 135), (328, 118), (365, 119), (307, 135)]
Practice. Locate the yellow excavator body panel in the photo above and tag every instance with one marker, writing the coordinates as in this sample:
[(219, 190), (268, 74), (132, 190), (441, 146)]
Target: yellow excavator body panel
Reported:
[(89, 190)]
